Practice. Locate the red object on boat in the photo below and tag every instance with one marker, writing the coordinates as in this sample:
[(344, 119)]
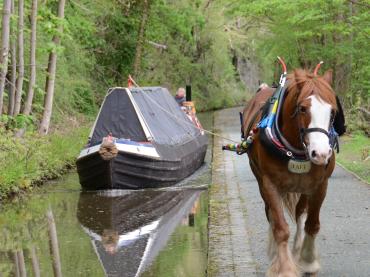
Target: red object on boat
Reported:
[(129, 81)]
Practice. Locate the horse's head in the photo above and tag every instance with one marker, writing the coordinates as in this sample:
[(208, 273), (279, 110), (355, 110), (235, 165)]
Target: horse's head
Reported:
[(314, 106)]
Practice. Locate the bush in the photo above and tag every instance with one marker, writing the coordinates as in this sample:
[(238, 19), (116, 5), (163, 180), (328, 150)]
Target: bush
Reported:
[(26, 160)]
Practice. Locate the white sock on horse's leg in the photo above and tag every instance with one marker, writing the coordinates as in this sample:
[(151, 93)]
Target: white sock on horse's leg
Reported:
[(309, 258), (299, 235), (283, 263)]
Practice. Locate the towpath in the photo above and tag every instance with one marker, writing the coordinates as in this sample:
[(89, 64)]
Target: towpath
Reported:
[(238, 228)]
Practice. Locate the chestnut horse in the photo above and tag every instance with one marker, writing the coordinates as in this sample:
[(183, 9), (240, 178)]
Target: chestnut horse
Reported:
[(309, 105)]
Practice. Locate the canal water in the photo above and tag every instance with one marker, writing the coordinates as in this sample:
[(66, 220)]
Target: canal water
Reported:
[(60, 230)]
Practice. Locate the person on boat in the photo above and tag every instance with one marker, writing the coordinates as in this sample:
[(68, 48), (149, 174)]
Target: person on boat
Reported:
[(110, 239), (180, 96)]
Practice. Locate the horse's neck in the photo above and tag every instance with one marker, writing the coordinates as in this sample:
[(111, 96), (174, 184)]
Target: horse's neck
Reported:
[(289, 126)]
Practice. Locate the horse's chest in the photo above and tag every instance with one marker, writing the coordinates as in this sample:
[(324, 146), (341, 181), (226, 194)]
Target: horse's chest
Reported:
[(300, 183)]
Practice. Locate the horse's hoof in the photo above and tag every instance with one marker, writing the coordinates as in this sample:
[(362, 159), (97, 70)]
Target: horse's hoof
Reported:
[(310, 275), (287, 274), (310, 268), (275, 270)]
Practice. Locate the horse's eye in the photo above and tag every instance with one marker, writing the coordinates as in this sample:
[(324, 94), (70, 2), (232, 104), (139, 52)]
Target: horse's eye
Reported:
[(302, 109), (332, 114)]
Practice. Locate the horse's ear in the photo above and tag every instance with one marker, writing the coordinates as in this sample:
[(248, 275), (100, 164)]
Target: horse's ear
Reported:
[(328, 76)]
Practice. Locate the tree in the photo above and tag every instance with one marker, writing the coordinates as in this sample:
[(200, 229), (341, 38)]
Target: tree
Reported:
[(336, 32), (4, 49), (19, 86), (32, 81), (13, 76), (50, 79), (140, 40)]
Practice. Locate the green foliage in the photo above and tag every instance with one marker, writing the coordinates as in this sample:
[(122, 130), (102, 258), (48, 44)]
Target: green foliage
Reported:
[(33, 157), (23, 224), (355, 154), (305, 32), (18, 122), (198, 53), (186, 251), (97, 51)]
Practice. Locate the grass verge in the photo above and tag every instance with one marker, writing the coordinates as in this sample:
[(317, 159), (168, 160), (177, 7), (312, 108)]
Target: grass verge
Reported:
[(32, 159), (355, 155)]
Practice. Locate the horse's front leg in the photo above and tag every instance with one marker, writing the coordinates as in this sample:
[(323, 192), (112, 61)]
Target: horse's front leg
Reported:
[(308, 260), (300, 218), (282, 264)]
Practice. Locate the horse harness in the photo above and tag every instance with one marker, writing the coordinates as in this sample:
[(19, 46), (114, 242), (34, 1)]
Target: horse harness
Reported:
[(274, 140)]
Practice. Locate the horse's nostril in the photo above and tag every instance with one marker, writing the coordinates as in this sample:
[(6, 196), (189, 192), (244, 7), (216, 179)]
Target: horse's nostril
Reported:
[(313, 154)]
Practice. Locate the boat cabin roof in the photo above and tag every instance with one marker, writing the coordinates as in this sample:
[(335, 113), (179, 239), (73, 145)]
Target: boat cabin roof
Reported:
[(142, 114)]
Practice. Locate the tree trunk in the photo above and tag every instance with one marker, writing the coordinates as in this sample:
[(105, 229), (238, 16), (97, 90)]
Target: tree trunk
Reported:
[(53, 242), (50, 79), (19, 87), (35, 262), (350, 55), (140, 40), (5, 25), (340, 67), (32, 82), (16, 265), (13, 76), (21, 264)]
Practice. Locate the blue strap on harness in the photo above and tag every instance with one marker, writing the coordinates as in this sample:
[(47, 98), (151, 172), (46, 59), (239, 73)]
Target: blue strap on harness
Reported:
[(266, 121)]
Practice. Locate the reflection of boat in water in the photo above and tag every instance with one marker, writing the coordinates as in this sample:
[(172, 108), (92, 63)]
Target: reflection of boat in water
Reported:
[(128, 228), (141, 139)]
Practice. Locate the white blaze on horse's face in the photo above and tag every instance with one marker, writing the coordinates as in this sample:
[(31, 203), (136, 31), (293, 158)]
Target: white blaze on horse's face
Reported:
[(318, 147)]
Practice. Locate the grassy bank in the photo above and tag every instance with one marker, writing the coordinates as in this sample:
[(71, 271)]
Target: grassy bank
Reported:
[(355, 155), (32, 159)]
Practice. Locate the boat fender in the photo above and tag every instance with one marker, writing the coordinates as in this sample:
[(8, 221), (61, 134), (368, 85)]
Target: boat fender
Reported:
[(108, 149)]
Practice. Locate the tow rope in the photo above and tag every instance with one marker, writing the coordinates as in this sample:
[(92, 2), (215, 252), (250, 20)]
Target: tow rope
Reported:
[(239, 148)]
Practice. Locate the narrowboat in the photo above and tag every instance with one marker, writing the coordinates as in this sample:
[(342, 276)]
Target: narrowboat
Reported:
[(141, 138)]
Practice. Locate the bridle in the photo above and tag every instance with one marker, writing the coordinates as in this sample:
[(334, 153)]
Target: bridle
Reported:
[(331, 134)]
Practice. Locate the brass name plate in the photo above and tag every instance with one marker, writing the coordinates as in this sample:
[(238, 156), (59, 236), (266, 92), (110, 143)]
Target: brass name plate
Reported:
[(299, 167)]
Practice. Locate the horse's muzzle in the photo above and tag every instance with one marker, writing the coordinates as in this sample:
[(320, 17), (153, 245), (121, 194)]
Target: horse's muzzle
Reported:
[(320, 157)]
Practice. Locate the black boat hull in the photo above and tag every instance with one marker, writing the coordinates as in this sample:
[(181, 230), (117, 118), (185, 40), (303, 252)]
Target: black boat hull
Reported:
[(133, 171)]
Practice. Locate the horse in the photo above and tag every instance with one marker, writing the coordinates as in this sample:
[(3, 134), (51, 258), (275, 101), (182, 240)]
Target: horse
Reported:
[(305, 118)]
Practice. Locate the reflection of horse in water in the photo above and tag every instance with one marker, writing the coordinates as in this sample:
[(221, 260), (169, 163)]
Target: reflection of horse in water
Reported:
[(292, 158), (128, 229)]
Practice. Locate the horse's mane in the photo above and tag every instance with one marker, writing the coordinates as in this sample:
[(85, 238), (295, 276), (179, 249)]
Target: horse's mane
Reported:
[(303, 84)]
